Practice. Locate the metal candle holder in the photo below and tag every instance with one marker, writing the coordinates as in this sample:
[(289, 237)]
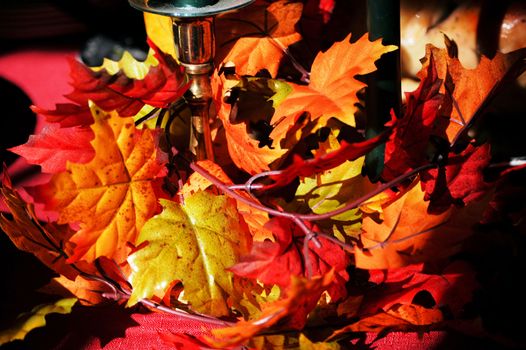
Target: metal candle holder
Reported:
[(194, 38)]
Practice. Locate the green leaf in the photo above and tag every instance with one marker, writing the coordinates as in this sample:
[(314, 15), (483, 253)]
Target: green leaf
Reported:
[(36, 318), (193, 243)]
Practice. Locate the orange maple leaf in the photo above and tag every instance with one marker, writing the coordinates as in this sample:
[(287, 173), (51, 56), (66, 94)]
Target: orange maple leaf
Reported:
[(111, 197), (263, 33), (242, 148), (410, 234), (399, 318), (471, 88), (333, 85)]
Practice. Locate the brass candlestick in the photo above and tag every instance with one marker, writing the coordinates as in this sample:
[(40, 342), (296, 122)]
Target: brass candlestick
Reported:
[(194, 38)]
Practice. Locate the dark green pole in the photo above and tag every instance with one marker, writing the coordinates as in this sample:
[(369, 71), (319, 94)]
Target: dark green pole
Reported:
[(383, 93)]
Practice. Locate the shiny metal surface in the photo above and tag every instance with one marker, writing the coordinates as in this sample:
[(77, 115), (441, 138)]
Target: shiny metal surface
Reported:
[(188, 8), (194, 40)]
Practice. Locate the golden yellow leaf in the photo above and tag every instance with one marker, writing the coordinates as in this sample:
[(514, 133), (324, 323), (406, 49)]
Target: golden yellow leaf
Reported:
[(112, 196), (193, 243), (160, 30), (36, 318)]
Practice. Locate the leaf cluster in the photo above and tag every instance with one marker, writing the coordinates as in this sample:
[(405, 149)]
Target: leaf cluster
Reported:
[(281, 242)]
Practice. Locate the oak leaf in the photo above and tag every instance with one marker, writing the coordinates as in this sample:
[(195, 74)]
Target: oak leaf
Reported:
[(113, 195), (333, 86), (193, 243), (257, 37)]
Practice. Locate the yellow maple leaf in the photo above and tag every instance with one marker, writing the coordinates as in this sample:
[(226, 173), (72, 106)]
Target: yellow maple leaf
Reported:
[(193, 243)]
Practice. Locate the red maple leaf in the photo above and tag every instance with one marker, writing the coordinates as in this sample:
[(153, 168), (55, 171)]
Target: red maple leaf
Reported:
[(276, 262), (461, 181), (67, 114), (54, 146), (307, 167), (407, 146), (164, 84), (453, 287)]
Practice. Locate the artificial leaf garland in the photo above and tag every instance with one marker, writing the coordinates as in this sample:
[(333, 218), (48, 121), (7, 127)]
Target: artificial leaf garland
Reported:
[(279, 273)]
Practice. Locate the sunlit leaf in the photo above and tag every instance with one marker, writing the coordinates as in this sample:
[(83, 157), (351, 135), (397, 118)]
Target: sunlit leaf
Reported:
[(112, 196), (193, 243), (263, 33)]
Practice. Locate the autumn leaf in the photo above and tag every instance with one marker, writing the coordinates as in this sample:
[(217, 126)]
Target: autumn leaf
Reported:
[(163, 84), (54, 146), (34, 319), (245, 150), (257, 37), (125, 86), (306, 167), (277, 262), (159, 29), (330, 189), (471, 89), (47, 242), (193, 243), (67, 115), (408, 144), (86, 291), (449, 289), (289, 312), (459, 182), (131, 67), (113, 195), (333, 86), (410, 234), (255, 218), (399, 318)]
